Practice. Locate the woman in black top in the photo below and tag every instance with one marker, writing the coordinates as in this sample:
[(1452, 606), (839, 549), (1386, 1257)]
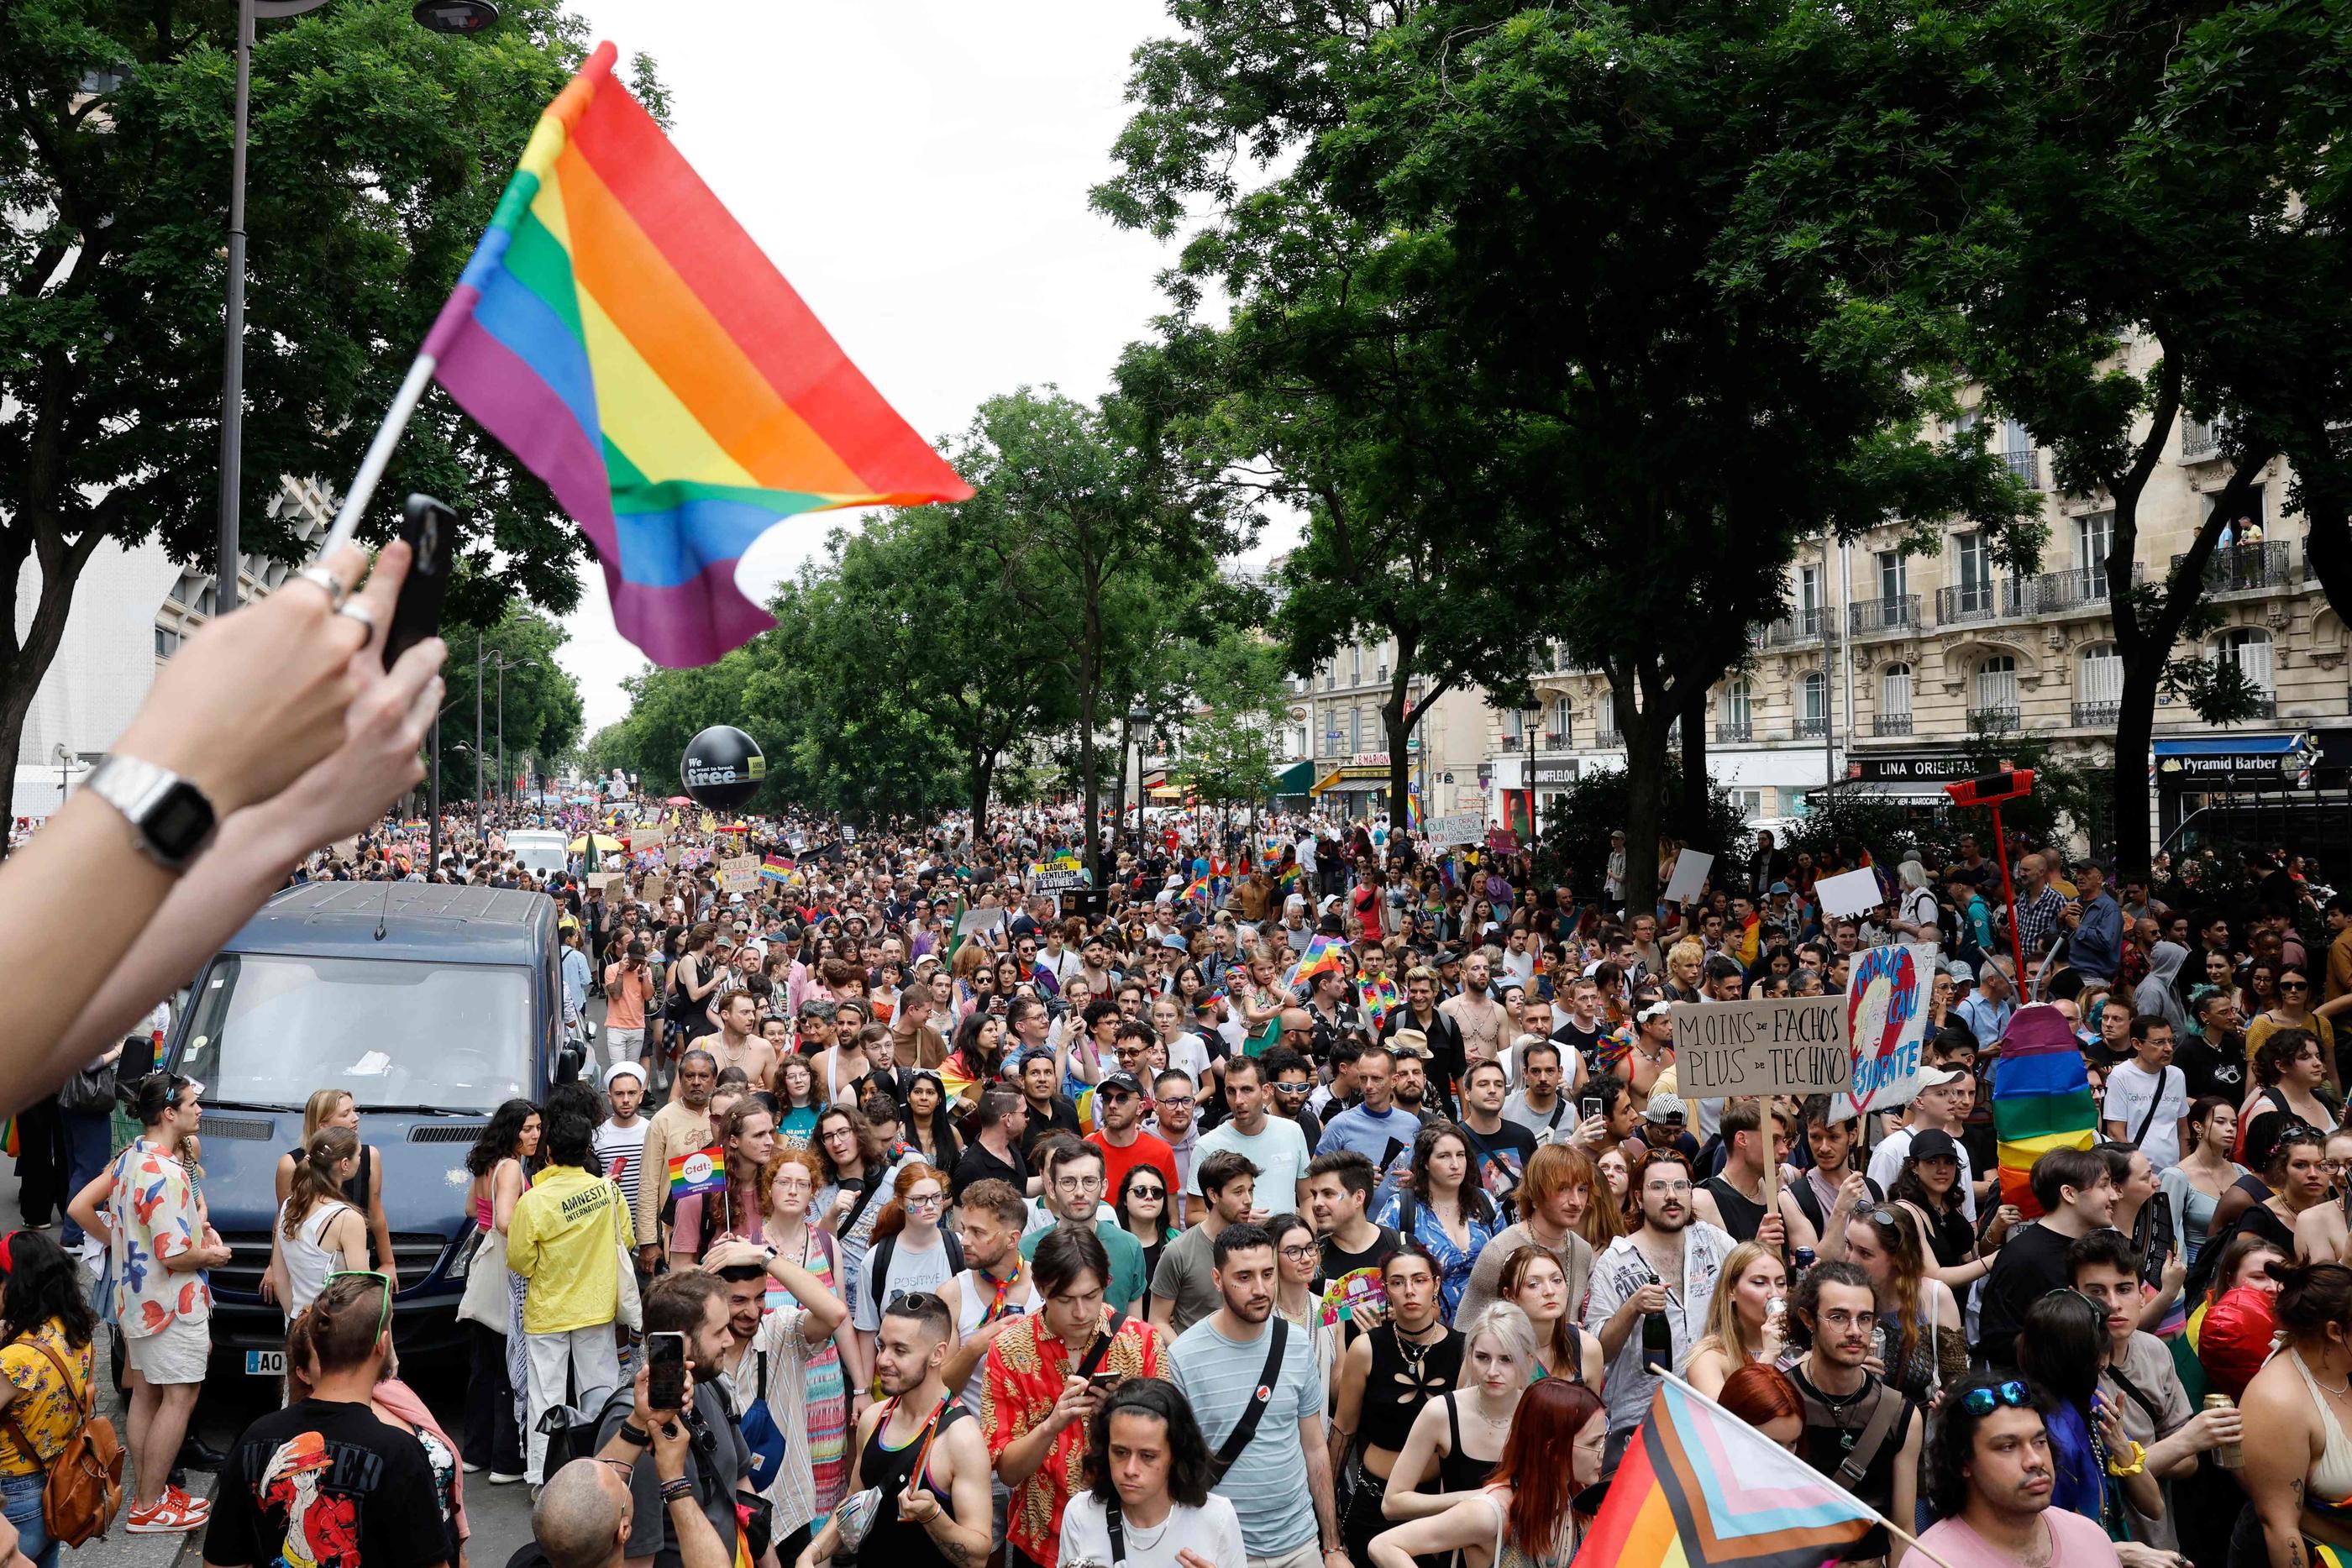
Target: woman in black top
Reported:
[(1142, 1206), (364, 1191)]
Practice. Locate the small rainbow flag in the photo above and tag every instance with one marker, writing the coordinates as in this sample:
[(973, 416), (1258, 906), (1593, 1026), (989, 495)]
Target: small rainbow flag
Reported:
[(699, 1170), (1322, 953), (1289, 880), (2041, 1098), (619, 332), (415, 825), (1699, 1488), (1196, 888)]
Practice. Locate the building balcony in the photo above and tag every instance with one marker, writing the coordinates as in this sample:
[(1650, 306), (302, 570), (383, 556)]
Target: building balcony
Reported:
[(1978, 601), (2096, 714), (1890, 724), (1995, 718), (2249, 568), (1556, 740), (1610, 739), (1813, 728), (1730, 731), (2200, 441), (1510, 743), (1797, 626), (1896, 613), (2084, 588), (2026, 465)]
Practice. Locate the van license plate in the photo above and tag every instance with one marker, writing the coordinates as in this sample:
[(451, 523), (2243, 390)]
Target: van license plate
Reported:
[(265, 1363)]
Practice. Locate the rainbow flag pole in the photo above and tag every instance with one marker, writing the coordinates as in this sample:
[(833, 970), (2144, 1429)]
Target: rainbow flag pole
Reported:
[(620, 333)]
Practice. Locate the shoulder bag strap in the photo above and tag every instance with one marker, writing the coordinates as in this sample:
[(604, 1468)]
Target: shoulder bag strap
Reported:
[(1117, 1527), (2139, 1395), (1095, 1357), (1261, 1396), (2155, 1102), (1890, 1409)]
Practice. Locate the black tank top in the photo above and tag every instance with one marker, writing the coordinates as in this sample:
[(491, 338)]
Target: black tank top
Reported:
[(892, 1541), (1458, 1471), (1400, 1386), (1741, 1215)]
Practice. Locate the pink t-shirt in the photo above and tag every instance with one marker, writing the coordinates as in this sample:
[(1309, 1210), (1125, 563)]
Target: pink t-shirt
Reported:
[(2075, 1542)]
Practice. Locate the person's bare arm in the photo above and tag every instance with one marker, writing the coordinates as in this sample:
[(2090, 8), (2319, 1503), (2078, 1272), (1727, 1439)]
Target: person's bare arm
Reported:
[(965, 1529), (1467, 1521), (1416, 1462), (379, 1224), (322, 787), (1907, 1485), (1347, 1409), (1319, 1484), (87, 1207)]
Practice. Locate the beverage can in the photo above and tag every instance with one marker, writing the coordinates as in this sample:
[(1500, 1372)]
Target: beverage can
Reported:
[(2228, 1456)]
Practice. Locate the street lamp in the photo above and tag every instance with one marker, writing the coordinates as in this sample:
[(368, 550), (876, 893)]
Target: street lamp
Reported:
[(502, 665), (1139, 719), (439, 17), (1530, 716)]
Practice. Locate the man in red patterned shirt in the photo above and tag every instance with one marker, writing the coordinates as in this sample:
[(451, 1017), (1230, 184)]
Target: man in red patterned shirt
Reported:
[(1043, 1379)]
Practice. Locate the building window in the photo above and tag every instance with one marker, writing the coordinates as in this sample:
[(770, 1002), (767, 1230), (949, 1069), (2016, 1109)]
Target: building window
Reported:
[(1751, 803), (1739, 704), (1809, 601), (1563, 722), (1996, 702), (2099, 685), (1893, 715), (1972, 555), (1894, 575), (1356, 666), (2249, 648), (1512, 730), (2246, 530), (2017, 452), (165, 642), (1813, 704), (2093, 533)]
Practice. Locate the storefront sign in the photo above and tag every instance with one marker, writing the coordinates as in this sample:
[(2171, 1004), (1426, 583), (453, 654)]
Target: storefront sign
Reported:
[(1558, 770), (1909, 768)]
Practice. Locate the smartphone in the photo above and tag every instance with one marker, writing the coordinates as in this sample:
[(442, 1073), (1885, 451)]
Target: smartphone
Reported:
[(665, 1371), (1589, 1105), (1103, 1380), (431, 530)]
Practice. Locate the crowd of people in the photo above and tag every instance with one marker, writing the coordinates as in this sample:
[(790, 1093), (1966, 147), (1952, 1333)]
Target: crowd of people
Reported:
[(1295, 1198)]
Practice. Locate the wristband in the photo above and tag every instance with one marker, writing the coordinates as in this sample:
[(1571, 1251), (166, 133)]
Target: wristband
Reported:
[(680, 1489), (636, 1436)]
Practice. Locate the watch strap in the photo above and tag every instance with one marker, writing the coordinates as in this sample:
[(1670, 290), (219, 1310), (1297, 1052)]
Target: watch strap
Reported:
[(138, 788)]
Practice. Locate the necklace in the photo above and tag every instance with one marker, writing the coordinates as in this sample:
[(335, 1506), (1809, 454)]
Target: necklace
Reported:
[(2339, 1392)]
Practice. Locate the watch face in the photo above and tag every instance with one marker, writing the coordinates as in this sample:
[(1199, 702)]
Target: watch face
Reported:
[(180, 821)]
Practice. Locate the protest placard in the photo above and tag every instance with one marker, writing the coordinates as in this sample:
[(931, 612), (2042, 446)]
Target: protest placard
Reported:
[(1461, 828), (600, 881), (976, 921), (1886, 996), (654, 889), (1057, 881), (1691, 867), (1849, 892), (1780, 1045), (737, 872), (649, 836)]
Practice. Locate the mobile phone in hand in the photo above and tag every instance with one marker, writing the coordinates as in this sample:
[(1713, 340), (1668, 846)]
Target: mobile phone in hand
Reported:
[(431, 529), (665, 1371)]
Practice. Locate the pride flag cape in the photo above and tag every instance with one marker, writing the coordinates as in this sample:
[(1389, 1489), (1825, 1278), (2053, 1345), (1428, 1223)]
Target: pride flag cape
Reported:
[(619, 332), (2041, 1098), (1698, 1488)]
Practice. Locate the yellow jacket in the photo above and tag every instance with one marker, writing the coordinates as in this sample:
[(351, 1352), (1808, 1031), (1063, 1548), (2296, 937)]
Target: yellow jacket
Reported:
[(566, 1238)]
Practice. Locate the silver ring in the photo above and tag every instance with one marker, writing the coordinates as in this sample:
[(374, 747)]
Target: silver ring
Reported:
[(336, 592), (357, 611)]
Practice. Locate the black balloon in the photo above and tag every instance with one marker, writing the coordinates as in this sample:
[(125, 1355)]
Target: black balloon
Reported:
[(723, 767)]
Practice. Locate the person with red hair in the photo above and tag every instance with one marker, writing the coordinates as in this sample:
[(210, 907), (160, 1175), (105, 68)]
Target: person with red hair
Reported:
[(1524, 1516), (1762, 1395)]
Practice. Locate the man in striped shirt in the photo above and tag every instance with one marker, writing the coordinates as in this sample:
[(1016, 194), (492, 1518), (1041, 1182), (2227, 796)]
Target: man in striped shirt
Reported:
[(621, 1137)]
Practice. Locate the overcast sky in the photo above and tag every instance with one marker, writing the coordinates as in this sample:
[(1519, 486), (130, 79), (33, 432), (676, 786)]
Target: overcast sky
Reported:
[(918, 169)]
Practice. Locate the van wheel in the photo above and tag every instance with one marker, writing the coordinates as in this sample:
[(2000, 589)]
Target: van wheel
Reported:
[(118, 1362)]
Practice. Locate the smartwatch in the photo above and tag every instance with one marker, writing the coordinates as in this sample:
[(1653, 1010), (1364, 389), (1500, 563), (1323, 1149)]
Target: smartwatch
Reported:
[(171, 820)]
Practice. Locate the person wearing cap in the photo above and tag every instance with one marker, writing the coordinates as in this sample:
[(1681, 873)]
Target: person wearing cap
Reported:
[(1942, 1103), (1118, 1106), (621, 1136)]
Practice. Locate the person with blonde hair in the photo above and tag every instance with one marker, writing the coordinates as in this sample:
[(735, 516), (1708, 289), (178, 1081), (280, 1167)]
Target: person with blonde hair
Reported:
[(1524, 1510), (1745, 1327), (364, 1188), (1534, 1281), (1458, 1437)]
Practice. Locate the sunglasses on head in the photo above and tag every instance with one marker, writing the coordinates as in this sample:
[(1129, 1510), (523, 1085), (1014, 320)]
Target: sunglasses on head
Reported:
[(1984, 1401), (384, 1317)]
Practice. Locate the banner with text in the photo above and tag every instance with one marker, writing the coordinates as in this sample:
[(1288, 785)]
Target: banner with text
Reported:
[(736, 873), (1461, 828), (1887, 998), (1782, 1045)]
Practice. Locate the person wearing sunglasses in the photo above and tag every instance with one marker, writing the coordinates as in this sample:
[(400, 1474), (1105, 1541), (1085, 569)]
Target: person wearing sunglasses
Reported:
[(1990, 1481), (326, 1458)]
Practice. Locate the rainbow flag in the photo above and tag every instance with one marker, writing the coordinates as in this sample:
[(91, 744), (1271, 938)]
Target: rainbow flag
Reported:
[(1288, 881), (1699, 1488), (1196, 888), (1322, 953), (415, 825), (619, 332), (699, 1170), (2041, 1098)]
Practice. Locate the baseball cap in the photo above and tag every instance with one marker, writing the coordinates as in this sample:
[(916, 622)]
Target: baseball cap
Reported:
[(1123, 1082), (1960, 972), (1663, 1108), (1777, 887), (620, 1070), (1937, 1077), (1934, 1143)]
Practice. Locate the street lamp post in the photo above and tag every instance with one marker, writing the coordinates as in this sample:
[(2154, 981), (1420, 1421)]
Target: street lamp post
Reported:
[(1530, 716), (1139, 719), (450, 16)]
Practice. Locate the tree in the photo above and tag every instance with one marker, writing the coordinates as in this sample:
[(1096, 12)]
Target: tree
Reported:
[(541, 700), (1082, 512), (1574, 846), (378, 151), (1646, 411), (1228, 756)]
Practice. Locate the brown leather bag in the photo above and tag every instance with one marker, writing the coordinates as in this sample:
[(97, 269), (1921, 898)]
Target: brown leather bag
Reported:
[(84, 1492)]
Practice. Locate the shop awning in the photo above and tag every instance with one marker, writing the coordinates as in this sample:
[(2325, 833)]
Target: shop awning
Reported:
[(1352, 780), (1295, 779), (1166, 792)]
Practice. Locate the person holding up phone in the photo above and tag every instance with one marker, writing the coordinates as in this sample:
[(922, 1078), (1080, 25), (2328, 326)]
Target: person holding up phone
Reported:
[(586, 1516), (687, 1330)]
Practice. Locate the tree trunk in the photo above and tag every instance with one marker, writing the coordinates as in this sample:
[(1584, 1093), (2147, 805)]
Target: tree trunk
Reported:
[(1690, 806), (2128, 790), (1646, 781), (980, 771), (24, 665), (1089, 786), (1398, 723)]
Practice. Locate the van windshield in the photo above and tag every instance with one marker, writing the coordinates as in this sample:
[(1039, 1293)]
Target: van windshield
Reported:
[(270, 1028)]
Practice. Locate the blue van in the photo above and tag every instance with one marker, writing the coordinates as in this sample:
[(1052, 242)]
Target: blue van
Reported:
[(431, 1005)]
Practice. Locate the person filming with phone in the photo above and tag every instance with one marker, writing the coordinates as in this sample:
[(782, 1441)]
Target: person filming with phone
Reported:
[(686, 1328)]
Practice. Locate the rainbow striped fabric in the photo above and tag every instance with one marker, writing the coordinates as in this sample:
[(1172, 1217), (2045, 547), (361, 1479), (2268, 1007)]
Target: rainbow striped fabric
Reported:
[(1322, 953), (619, 332), (1698, 1488), (2041, 1098)]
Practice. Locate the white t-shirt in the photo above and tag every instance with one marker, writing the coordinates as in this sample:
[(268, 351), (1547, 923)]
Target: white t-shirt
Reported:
[(2130, 1090), (1212, 1531), (1306, 851), (1279, 1153), (1189, 1057)]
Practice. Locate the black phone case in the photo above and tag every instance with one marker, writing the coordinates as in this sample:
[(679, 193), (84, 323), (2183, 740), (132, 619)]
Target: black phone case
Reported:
[(430, 529)]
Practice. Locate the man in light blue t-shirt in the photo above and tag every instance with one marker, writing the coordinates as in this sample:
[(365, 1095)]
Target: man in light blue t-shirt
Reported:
[(1377, 1128), (1280, 1482), (1274, 1146)]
